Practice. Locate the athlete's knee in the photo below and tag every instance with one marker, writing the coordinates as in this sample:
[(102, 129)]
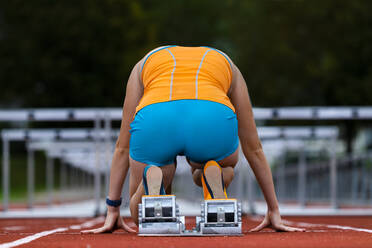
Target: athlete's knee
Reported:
[(196, 176)]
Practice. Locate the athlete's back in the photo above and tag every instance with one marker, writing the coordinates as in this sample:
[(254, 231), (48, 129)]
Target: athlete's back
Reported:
[(174, 73)]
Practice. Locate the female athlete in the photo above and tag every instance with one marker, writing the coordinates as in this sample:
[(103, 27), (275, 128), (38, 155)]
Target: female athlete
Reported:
[(190, 101)]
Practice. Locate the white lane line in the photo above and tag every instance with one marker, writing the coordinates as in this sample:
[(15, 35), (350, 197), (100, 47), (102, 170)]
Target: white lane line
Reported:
[(32, 237), (304, 224), (35, 236), (308, 225)]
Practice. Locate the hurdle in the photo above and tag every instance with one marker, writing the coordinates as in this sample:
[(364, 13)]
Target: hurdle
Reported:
[(52, 141), (47, 139)]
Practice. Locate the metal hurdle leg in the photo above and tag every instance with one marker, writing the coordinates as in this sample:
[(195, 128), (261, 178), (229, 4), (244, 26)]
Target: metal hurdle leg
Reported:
[(6, 174), (333, 176), (301, 182), (50, 178), (70, 177), (63, 173), (354, 182), (30, 176)]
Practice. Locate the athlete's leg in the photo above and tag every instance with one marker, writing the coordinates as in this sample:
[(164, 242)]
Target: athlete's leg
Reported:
[(227, 164), (168, 189), (136, 188)]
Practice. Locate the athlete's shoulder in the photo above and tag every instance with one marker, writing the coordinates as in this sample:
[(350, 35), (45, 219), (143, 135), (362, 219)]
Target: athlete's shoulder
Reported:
[(223, 54), (144, 59)]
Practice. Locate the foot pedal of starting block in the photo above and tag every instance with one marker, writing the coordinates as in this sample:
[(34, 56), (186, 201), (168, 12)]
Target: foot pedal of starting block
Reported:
[(220, 217), (159, 216)]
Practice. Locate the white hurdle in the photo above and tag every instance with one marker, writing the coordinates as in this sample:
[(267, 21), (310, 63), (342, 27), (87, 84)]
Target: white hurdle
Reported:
[(61, 140)]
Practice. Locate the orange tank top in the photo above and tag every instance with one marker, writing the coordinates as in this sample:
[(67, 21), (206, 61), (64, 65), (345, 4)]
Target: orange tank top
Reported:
[(174, 73)]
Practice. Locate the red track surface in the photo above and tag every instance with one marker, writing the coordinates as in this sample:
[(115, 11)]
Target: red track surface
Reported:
[(318, 236)]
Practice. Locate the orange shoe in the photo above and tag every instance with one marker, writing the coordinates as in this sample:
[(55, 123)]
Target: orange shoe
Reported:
[(212, 181)]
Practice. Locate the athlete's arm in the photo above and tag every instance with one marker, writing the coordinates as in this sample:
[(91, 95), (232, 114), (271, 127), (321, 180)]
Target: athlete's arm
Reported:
[(249, 140), (120, 160), (252, 149)]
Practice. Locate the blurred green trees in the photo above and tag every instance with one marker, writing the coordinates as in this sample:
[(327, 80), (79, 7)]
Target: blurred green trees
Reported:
[(56, 53)]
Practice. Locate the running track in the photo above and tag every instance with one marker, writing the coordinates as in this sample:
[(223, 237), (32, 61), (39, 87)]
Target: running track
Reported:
[(322, 232)]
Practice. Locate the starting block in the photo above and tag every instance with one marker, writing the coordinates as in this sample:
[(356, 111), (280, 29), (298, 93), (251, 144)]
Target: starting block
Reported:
[(159, 216)]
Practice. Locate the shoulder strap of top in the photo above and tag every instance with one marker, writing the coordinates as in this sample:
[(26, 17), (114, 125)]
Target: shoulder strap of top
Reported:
[(223, 54), (152, 52)]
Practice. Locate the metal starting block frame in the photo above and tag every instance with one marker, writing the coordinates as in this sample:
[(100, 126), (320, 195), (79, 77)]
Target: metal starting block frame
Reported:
[(160, 216)]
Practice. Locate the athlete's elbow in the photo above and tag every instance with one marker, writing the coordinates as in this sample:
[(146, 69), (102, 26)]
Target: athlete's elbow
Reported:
[(252, 151), (255, 151), (120, 150), (250, 144)]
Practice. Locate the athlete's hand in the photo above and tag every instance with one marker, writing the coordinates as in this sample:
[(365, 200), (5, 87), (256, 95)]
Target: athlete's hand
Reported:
[(274, 221), (113, 222)]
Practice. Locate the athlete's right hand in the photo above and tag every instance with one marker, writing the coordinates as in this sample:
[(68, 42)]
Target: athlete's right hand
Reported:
[(113, 222)]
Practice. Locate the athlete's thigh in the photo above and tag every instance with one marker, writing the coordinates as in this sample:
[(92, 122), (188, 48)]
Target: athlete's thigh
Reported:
[(136, 174)]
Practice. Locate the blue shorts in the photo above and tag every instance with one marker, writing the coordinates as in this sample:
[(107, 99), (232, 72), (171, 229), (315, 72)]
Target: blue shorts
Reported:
[(201, 130)]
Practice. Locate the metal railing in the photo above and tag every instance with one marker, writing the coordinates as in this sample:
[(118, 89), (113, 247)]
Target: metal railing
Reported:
[(96, 146)]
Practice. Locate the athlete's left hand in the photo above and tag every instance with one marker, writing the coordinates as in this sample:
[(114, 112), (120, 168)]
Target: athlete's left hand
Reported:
[(274, 221)]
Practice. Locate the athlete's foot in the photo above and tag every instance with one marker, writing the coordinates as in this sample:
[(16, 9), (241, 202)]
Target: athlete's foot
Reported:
[(154, 177), (213, 178)]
